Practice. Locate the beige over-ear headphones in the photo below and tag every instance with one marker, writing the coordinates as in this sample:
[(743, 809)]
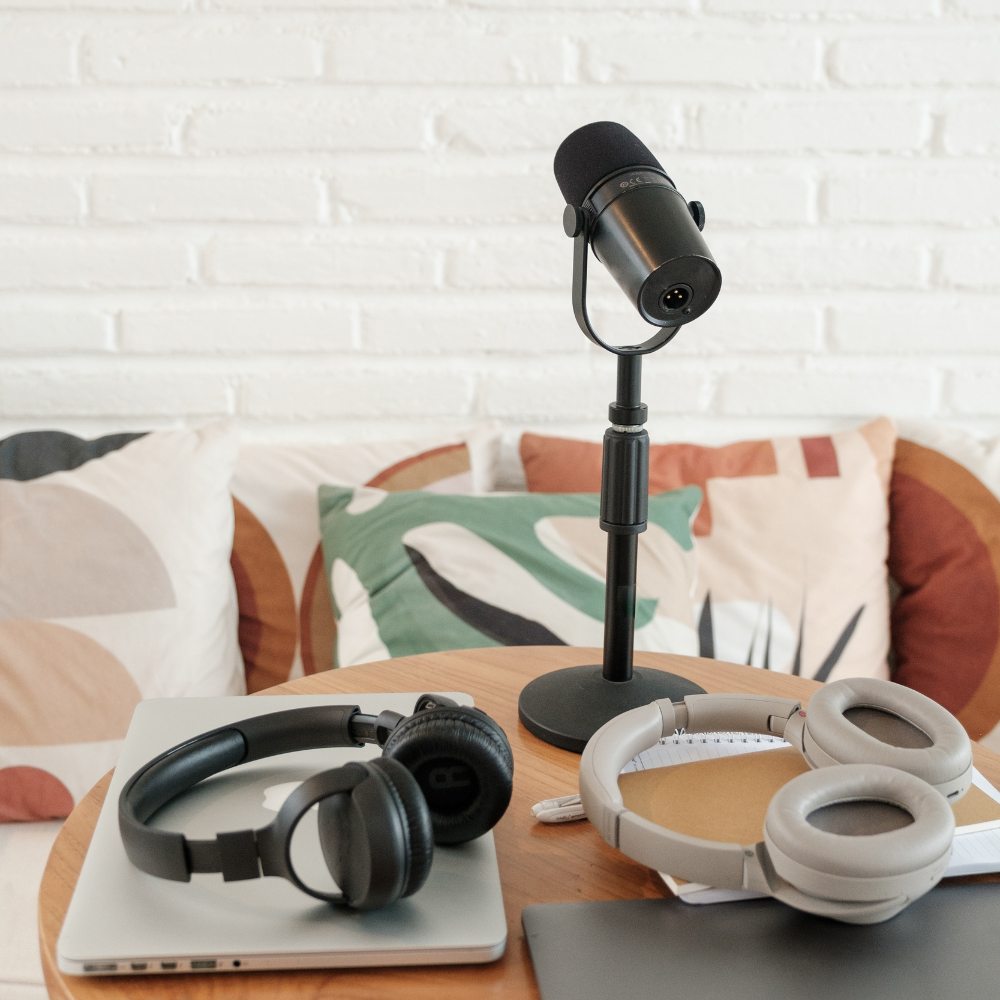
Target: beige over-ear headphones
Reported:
[(871, 742)]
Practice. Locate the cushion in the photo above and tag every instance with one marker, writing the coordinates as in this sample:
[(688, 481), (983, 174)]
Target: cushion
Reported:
[(944, 557), (24, 850), (287, 624), (791, 539), (114, 586), (415, 572)]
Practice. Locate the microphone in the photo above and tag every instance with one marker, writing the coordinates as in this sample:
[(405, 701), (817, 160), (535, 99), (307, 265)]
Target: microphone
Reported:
[(622, 203), (638, 224)]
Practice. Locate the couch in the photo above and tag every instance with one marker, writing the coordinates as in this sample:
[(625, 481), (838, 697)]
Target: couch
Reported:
[(184, 563)]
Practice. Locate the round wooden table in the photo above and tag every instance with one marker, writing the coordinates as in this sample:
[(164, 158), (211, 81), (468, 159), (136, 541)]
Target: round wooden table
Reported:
[(538, 863)]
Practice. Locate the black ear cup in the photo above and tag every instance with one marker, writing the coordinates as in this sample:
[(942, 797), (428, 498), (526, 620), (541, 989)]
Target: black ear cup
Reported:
[(418, 822), (464, 767), (376, 839)]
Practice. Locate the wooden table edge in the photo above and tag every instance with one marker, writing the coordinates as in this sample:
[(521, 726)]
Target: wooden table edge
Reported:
[(466, 670)]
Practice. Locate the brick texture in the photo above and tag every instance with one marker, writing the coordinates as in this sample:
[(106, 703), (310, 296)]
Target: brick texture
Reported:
[(337, 218)]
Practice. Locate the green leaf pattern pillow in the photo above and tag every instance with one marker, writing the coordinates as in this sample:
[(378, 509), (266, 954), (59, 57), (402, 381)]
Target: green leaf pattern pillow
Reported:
[(415, 572)]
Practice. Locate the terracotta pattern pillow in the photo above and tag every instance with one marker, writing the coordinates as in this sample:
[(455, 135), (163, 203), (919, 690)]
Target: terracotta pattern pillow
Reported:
[(287, 625), (944, 557), (114, 586), (791, 540)]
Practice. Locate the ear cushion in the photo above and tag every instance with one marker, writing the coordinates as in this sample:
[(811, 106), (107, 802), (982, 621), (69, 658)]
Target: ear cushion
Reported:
[(463, 764), (417, 819), (376, 839), (830, 737), (837, 909), (859, 867)]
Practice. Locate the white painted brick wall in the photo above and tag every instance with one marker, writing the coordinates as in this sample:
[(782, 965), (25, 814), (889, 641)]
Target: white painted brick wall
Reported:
[(189, 52), (334, 218)]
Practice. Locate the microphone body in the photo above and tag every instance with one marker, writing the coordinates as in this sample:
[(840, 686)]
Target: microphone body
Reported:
[(639, 225)]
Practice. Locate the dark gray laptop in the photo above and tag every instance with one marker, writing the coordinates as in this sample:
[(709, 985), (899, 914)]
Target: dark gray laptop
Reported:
[(123, 921), (943, 946)]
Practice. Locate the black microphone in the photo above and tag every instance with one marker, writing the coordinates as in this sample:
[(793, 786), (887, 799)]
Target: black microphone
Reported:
[(621, 203), (638, 224)]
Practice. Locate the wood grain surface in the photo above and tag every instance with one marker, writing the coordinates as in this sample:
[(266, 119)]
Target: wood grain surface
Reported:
[(538, 863)]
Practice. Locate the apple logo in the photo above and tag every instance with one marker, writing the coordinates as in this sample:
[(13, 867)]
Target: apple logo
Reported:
[(275, 795)]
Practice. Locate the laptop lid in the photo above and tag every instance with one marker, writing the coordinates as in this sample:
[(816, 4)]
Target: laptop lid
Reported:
[(944, 945), (123, 921)]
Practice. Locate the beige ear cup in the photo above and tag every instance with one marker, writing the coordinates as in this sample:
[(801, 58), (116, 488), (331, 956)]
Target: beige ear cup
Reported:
[(887, 716), (828, 869)]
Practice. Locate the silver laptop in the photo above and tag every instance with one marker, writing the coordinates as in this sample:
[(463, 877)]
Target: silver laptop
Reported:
[(123, 921)]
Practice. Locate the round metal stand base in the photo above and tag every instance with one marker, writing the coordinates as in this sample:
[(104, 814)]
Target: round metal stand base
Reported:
[(566, 707)]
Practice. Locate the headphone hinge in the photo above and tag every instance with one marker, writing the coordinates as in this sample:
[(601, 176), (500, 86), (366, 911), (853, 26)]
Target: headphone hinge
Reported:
[(791, 728), (385, 723), (428, 701)]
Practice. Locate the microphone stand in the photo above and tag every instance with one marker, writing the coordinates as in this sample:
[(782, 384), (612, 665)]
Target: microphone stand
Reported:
[(566, 707)]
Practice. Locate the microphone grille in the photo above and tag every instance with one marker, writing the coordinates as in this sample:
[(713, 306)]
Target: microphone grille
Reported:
[(593, 151)]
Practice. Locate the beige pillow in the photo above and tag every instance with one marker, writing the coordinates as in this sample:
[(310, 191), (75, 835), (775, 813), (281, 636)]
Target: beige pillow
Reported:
[(791, 542), (114, 586)]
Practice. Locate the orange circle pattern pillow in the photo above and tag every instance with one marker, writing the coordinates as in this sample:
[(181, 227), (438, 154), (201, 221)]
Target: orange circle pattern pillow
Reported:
[(287, 626), (944, 556)]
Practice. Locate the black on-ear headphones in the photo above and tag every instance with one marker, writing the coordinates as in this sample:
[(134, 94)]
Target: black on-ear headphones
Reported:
[(445, 776)]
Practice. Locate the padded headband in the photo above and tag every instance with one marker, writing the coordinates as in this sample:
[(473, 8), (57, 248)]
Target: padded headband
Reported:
[(619, 740), (171, 855), (626, 735)]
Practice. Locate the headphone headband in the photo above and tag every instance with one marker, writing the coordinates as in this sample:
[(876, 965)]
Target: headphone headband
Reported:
[(741, 713), (903, 754), (617, 742), (171, 855), (444, 775)]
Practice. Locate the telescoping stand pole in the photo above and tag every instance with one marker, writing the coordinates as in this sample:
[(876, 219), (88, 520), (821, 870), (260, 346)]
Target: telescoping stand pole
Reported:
[(566, 707), (624, 508)]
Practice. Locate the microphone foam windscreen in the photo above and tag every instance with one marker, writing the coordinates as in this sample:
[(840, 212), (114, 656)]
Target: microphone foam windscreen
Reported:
[(593, 151)]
